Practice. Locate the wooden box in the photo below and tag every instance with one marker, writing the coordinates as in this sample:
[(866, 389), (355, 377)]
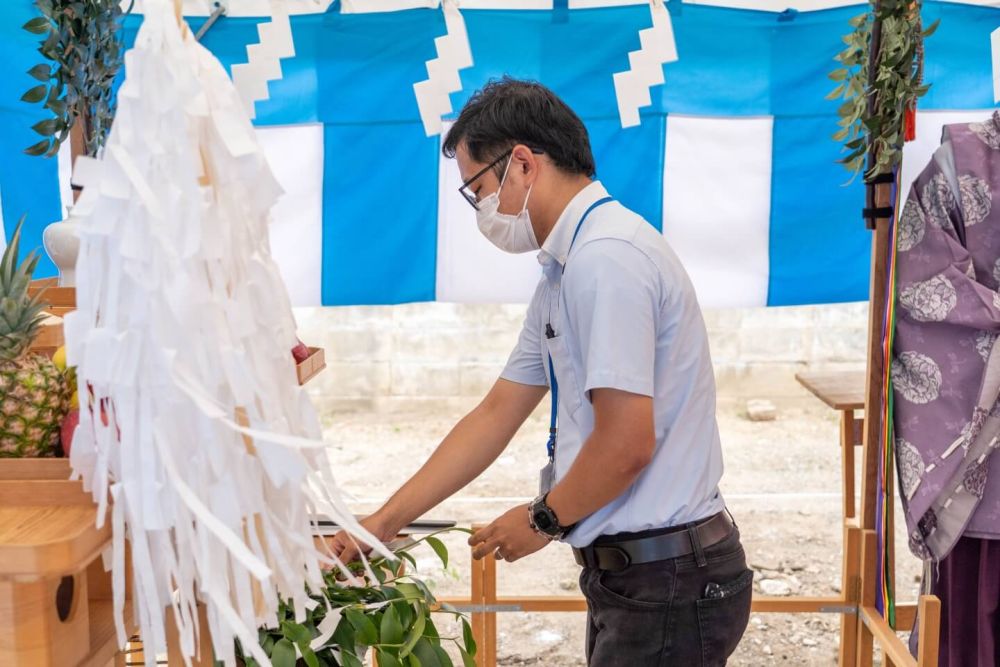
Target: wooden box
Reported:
[(55, 597), (311, 365)]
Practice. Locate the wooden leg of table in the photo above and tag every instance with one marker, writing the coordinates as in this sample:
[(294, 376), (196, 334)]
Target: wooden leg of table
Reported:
[(930, 630), (848, 428), (478, 619), (850, 590), (864, 635), (490, 597)]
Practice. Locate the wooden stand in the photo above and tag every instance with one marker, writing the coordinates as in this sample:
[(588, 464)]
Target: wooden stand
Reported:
[(55, 597), (844, 392)]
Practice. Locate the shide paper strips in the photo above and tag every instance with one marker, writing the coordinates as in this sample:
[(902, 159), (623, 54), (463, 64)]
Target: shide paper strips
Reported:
[(192, 422)]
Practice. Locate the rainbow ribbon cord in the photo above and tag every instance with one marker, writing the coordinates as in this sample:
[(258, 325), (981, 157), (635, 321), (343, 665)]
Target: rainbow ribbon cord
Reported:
[(885, 600)]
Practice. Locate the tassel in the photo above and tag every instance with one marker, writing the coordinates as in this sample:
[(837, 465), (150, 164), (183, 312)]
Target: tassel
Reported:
[(910, 122)]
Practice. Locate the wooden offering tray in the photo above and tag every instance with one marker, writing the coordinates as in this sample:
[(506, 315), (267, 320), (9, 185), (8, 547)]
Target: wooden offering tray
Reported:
[(55, 597), (311, 365)]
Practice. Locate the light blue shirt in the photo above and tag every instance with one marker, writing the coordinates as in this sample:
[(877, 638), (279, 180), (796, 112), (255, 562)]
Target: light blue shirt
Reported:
[(626, 317)]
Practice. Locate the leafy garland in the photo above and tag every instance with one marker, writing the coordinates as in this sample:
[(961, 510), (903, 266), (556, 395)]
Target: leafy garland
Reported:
[(391, 616), (894, 85), (84, 50)]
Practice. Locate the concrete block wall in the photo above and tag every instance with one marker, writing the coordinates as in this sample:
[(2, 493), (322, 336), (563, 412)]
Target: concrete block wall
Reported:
[(405, 357)]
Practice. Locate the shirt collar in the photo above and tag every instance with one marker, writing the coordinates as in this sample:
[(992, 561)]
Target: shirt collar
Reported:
[(557, 245)]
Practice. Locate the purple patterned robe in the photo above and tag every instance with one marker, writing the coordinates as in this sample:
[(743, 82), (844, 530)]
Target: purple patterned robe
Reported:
[(946, 365)]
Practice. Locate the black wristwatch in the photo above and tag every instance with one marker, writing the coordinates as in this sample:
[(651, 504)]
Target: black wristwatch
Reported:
[(544, 521)]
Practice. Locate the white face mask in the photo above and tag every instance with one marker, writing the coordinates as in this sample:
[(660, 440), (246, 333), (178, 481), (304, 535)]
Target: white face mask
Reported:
[(510, 233)]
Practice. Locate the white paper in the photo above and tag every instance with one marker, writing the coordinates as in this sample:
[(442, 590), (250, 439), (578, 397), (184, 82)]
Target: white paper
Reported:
[(182, 320), (453, 54), (657, 47)]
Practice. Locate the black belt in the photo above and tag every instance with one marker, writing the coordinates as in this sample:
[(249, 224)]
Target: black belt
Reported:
[(619, 555)]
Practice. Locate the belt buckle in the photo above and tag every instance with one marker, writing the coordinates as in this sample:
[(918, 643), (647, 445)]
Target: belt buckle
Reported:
[(614, 559)]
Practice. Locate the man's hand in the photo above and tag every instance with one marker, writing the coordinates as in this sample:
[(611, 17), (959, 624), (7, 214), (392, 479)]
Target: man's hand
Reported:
[(345, 547), (508, 538)]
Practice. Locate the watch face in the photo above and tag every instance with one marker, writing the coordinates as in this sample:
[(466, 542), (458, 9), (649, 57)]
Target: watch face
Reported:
[(543, 520)]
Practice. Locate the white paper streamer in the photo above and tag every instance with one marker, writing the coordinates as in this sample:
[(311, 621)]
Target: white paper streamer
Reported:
[(192, 421), (453, 54), (657, 48), (264, 59)]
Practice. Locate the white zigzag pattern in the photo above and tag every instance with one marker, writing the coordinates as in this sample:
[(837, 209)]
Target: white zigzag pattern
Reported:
[(453, 54), (263, 58), (657, 48)]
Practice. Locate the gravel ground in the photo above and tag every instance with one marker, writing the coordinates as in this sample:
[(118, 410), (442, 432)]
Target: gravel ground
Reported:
[(782, 483)]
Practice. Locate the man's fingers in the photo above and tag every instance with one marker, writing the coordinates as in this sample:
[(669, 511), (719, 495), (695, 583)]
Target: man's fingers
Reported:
[(486, 548), (481, 535)]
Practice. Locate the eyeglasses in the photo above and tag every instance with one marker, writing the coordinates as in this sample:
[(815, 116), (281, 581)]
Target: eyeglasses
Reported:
[(466, 190)]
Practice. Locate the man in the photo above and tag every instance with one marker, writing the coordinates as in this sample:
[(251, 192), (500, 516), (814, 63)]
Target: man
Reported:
[(615, 329)]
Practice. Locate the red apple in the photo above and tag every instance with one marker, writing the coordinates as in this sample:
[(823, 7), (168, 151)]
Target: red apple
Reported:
[(300, 352), (69, 424)]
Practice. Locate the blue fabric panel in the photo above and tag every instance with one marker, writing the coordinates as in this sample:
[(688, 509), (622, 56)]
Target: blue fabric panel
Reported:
[(368, 64), (28, 185), (630, 163), (379, 214), (957, 56), (820, 251)]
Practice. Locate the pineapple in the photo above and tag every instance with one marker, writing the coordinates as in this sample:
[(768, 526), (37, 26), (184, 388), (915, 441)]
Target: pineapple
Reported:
[(34, 394)]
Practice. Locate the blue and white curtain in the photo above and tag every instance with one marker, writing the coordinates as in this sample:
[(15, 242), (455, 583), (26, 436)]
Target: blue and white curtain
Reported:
[(733, 161)]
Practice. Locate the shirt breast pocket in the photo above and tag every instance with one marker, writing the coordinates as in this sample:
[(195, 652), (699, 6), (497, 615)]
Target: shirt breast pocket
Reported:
[(570, 396)]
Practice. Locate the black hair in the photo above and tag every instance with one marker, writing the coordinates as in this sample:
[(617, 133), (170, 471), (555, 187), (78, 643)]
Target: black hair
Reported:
[(510, 111)]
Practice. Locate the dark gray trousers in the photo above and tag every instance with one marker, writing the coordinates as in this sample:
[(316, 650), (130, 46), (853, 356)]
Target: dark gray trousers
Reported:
[(665, 613)]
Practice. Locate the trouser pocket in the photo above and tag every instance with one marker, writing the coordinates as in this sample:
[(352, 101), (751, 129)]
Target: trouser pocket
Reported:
[(722, 617)]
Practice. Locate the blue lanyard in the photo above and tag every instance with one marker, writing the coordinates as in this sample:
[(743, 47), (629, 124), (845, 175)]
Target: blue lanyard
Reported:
[(549, 333)]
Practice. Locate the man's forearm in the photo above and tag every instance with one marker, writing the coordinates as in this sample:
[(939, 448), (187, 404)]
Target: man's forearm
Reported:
[(600, 473), (475, 442)]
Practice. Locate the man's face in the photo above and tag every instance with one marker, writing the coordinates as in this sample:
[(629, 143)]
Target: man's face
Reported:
[(481, 184)]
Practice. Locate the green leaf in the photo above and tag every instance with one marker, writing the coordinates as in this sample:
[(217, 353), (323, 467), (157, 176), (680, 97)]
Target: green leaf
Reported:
[(838, 74), (836, 92), (467, 660), (425, 652), (350, 660), (416, 633), (364, 627), (283, 654), (930, 30), (467, 638), (38, 149), (413, 661), (34, 95), (309, 656), (392, 629), (297, 634), (42, 72), (46, 127), (439, 548), (443, 657), (386, 659), (37, 25)]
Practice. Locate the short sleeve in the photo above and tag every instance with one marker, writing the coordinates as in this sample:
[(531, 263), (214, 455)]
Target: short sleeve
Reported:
[(613, 295), (525, 365)]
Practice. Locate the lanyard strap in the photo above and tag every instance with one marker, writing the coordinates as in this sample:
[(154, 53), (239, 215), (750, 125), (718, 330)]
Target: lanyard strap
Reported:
[(549, 333)]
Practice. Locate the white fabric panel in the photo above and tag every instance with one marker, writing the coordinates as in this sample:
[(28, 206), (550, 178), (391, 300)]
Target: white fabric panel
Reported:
[(717, 205), (917, 153), (295, 153), (469, 268), (65, 171)]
